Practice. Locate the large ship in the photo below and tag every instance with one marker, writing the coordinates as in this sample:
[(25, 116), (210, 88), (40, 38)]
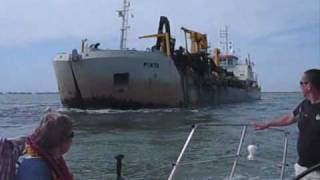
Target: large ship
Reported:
[(161, 76)]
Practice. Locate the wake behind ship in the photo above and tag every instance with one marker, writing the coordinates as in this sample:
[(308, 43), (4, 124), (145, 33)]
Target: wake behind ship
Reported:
[(158, 77)]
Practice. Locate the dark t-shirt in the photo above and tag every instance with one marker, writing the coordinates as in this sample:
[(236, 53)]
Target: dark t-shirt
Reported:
[(308, 146)]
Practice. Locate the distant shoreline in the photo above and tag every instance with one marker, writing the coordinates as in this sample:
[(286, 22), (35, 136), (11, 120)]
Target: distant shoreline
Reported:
[(281, 92), (29, 93)]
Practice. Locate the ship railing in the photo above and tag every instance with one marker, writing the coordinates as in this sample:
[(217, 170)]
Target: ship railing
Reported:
[(238, 153)]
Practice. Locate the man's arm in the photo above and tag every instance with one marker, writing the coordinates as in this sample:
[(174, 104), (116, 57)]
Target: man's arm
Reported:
[(278, 121)]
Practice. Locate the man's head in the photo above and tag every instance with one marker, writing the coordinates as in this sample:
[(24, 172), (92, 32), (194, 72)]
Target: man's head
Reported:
[(54, 132), (310, 82)]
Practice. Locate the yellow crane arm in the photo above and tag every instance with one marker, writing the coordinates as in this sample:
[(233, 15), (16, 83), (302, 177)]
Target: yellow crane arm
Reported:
[(153, 35), (165, 41), (198, 40)]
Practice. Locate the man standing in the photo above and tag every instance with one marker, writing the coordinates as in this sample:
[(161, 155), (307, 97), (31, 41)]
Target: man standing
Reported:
[(307, 115)]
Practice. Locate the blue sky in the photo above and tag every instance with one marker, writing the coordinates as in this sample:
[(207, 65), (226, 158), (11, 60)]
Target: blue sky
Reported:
[(282, 37)]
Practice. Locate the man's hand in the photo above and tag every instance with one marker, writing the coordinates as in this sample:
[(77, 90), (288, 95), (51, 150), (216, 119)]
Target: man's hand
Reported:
[(260, 125)]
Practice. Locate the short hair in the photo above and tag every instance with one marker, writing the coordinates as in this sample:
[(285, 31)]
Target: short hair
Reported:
[(313, 76), (53, 130)]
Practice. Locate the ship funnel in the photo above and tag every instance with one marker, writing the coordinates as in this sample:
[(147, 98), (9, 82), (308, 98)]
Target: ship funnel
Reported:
[(83, 45)]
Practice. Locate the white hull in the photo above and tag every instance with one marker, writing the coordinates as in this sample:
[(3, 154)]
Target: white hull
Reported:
[(153, 79)]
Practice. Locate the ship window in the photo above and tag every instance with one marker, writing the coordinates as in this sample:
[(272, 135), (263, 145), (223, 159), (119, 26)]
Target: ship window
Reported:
[(121, 79), (150, 65)]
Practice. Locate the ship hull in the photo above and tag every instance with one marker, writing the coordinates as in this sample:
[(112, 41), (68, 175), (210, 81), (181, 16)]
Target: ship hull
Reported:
[(135, 79), (118, 79)]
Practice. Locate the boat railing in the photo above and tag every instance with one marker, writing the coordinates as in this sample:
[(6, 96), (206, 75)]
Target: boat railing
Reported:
[(238, 153), (307, 171)]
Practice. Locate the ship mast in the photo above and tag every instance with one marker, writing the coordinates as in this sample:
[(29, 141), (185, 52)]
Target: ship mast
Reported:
[(125, 24), (224, 35)]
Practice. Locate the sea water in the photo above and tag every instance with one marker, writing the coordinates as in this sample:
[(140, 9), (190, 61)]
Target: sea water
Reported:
[(151, 139)]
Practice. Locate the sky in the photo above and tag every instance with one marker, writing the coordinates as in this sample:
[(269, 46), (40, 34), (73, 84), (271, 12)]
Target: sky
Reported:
[(282, 37)]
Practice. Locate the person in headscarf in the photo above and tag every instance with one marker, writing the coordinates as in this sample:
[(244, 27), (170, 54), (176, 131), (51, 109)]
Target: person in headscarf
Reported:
[(44, 149)]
